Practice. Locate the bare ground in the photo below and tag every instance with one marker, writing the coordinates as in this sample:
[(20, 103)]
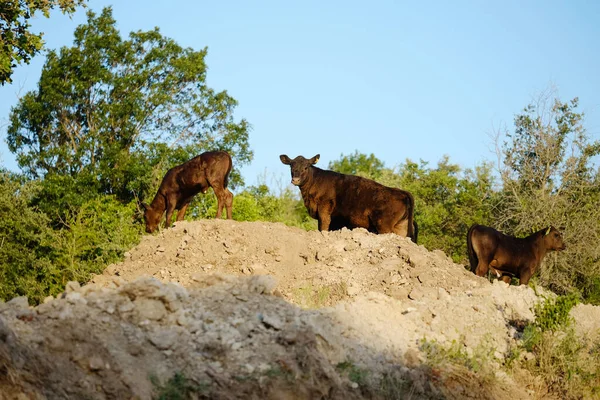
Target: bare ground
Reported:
[(262, 310)]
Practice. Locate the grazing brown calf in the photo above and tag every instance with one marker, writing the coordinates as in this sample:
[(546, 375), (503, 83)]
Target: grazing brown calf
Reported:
[(183, 182), (509, 256), (338, 200)]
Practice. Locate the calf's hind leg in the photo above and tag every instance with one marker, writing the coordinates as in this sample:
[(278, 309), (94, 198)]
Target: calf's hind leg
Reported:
[(483, 266), (401, 228), (228, 203), (224, 199)]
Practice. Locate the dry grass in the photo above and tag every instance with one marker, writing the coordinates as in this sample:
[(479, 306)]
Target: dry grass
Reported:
[(312, 297)]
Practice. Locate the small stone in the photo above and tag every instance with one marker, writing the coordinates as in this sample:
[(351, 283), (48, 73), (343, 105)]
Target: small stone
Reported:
[(75, 297), (409, 310), (353, 290), (416, 294), (399, 293), (443, 294), (272, 321), (245, 270), (19, 302), (150, 309), (96, 363), (351, 246), (163, 339), (321, 255), (72, 286), (48, 299), (126, 306), (183, 320), (160, 249)]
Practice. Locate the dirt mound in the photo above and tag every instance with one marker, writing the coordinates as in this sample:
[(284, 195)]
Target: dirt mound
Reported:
[(391, 280), (380, 302), (356, 259)]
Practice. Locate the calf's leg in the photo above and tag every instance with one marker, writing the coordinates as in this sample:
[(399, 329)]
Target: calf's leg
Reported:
[(221, 199), (401, 228), (483, 265), (228, 203), (171, 203), (182, 210)]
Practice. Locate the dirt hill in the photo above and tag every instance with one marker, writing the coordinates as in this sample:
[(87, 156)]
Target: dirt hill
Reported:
[(225, 309)]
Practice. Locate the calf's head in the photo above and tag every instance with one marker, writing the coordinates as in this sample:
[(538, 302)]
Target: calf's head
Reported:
[(300, 167), (553, 239), (151, 217)]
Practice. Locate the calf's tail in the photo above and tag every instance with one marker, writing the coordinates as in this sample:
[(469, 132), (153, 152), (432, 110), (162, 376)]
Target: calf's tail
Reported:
[(226, 180), (410, 209), (416, 231), (473, 260)]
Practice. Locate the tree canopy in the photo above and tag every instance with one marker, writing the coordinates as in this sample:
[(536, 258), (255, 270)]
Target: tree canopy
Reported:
[(112, 114), (19, 44)]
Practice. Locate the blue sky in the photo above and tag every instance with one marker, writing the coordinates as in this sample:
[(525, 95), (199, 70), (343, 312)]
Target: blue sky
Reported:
[(399, 79)]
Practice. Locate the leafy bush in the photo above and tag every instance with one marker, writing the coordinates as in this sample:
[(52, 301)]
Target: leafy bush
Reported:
[(569, 365), (37, 260), (95, 235), (26, 242), (178, 387)]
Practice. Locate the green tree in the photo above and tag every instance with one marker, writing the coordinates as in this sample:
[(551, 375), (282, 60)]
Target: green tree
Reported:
[(359, 164), (448, 201), (550, 177), (111, 115), (19, 44)]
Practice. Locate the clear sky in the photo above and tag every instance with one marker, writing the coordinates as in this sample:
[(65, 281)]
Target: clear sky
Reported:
[(398, 79)]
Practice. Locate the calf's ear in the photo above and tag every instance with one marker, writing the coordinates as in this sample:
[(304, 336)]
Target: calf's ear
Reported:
[(285, 159), (315, 159)]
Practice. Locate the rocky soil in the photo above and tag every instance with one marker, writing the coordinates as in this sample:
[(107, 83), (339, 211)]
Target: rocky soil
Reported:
[(265, 311)]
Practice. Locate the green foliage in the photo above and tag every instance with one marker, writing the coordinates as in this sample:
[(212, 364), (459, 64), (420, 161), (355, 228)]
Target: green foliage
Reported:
[(178, 387), (358, 164), (37, 260), (570, 365), (95, 235), (260, 203), (313, 297), (456, 354), (553, 314), (447, 201), (19, 44), (26, 242), (355, 373), (117, 113)]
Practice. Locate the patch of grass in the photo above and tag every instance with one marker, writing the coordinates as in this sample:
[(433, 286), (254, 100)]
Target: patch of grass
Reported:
[(456, 373), (394, 387), (355, 374), (178, 387), (317, 297), (568, 365), (280, 371), (553, 314), (456, 354)]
